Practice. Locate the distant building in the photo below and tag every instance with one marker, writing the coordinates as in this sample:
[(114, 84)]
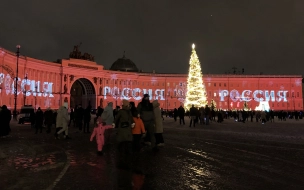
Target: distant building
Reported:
[(80, 80)]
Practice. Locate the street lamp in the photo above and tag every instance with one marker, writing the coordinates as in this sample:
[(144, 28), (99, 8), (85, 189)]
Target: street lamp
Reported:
[(24, 90), (36, 97), (294, 106), (16, 83)]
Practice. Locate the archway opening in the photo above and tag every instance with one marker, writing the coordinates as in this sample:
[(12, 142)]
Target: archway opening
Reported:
[(82, 93)]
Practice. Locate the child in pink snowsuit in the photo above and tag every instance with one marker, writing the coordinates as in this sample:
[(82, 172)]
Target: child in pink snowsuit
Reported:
[(99, 133)]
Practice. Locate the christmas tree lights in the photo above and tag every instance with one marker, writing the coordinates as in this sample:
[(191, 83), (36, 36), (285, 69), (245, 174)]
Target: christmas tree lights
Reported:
[(196, 93)]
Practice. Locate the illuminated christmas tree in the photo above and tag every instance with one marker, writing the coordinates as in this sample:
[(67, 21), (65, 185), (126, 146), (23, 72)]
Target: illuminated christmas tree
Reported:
[(196, 93)]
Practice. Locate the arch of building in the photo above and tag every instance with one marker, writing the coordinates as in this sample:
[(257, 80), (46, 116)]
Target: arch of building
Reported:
[(82, 93)]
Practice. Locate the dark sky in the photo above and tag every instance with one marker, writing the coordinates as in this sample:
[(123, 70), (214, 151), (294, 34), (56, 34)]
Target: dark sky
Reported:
[(258, 35)]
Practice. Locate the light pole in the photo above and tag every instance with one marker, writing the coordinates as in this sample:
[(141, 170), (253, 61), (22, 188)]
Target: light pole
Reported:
[(16, 83), (24, 90), (36, 97), (294, 106)]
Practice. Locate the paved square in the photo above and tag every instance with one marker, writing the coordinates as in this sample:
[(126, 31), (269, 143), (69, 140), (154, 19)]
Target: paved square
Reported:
[(228, 155)]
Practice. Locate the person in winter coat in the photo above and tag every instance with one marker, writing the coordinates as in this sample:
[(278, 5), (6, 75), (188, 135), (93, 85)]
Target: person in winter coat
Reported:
[(48, 119), (32, 118), (5, 118), (193, 115), (108, 118), (87, 119), (98, 132), (159, 129), (181, 115), (124, 137), (62, 121), (39, 120), (145, 110), (138, 131), (79, 112), (263, 117)]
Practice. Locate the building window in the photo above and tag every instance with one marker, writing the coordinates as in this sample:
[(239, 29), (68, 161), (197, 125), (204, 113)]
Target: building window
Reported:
[(292, 94), (214, 84), (224, 84), (209, 84), (214, 94), (168, 84), (220, 84), (107, 82), (298, 94)]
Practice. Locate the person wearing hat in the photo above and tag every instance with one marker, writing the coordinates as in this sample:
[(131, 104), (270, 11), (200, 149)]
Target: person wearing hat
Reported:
[(145, 110)]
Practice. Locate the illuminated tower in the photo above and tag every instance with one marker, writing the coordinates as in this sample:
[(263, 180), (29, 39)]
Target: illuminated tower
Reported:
[(196, 93)]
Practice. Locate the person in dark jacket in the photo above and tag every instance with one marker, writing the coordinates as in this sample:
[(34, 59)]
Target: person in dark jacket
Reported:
[(48, 119), (124, 136), (145, 110), (32, 118), (79, 112), (193, 115), (175, 113), (72, 118), (5, 118), (181, 115), (207, 114), (87, 119), (39, 120)]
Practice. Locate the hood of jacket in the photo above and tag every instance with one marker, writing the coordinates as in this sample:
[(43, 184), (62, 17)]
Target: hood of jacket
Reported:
[(155, 104), (109, 107), (61, 109)]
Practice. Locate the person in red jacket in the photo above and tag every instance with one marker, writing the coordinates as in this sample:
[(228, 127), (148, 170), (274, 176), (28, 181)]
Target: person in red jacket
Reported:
[(138, 130)]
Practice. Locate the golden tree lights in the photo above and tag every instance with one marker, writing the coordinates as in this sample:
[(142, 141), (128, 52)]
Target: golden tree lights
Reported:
[(196, 93)]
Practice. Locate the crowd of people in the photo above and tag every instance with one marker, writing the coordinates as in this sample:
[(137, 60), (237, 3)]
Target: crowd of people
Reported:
[(135, 126), (204, 115)]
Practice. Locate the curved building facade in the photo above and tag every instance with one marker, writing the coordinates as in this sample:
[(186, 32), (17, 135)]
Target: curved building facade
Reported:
[(83, 81)]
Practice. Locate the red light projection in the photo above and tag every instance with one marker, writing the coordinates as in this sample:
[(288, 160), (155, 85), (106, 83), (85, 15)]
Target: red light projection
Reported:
[(76, 81)]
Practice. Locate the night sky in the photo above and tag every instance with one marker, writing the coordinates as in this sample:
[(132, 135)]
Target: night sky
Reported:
[(258, 35)]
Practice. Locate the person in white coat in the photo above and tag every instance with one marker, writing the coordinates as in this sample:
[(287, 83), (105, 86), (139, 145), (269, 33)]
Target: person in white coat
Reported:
[(159, 129), (62, 121)]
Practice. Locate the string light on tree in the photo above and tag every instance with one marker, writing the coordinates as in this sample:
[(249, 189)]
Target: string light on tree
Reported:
[(213, 105), (196, 93)]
